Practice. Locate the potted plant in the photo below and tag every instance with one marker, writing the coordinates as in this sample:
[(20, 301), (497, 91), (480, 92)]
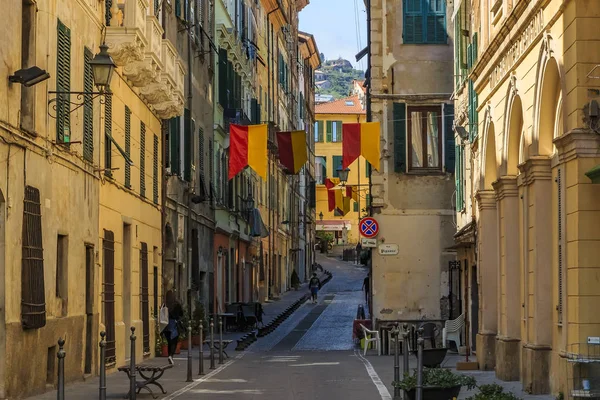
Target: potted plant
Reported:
[(161, 348), (438, 384), (198, 315), (295, 280), (183, 323), (493, 392)]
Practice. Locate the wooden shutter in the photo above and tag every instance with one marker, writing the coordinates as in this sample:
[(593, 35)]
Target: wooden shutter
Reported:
[(474, 48), (435, 21), (254, 111), (449, 159), (155, 170), (329, 132), (337, 163), (223, 77), (458, 178), (108, 294), (230, 85), (367, 169), (324, 168), (413, 28), (88, 107), (559, 187), (144, 298), (33, 297), (187, 146), (201, 155), (178, 9), (142, 159), (399, 115), (127, 146), (174, 138), (321, 130), (63, 83), (108, 135)]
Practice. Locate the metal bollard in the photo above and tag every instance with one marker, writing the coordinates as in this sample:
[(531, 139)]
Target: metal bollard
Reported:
[(132, 370), (221, 340), (201, 362), (60, 394), (212, 344), (396, 336), (405, 351), (102, 389), (420, 346), (189, 354)]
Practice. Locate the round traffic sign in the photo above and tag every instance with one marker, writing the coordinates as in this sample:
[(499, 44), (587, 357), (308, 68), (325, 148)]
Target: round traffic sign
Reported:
[(368, 227)]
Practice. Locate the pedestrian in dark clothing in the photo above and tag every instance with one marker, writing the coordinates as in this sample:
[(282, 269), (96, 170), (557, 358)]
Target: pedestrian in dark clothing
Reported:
[(358, 251), (314, 284), (171, 331), (366, 287)]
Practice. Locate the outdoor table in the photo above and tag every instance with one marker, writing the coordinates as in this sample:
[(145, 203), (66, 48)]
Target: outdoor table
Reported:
[(217, 345), (226, 317)]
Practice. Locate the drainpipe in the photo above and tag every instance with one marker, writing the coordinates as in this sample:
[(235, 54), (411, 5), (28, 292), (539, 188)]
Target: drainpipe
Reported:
[(369, 119), (190, 193)]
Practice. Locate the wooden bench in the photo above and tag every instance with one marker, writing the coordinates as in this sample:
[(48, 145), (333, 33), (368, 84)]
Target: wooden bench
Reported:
[(142, 370), (217, 346)]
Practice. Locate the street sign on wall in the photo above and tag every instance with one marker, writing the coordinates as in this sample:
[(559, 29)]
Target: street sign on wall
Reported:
[(388, 249), (368, 227), (368, 242)]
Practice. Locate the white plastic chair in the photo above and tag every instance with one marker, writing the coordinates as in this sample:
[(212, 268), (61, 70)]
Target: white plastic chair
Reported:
[(451, 331), (374, 338)]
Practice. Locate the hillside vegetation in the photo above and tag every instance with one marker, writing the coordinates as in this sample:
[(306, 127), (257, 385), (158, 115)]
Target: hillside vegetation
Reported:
[(340, 74)]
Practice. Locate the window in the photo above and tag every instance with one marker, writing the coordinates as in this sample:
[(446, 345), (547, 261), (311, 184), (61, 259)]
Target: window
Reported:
[(155, 170), (88, 107), (142, 159), (62, 267), (33, 299), (424, 22), (63, 83), (461, 33), (174, 139), (472, 112), (127, 146), (424, 137), (334, 131), (188, 128), (459, 178), (28, 60), (319, 131), (336, 164)]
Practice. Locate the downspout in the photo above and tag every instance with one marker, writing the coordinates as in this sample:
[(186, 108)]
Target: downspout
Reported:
[(189, 194), (163, 188), (369, 119)]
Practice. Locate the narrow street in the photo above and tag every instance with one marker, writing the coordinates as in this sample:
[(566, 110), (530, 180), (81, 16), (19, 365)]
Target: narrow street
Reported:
[(310, 356)]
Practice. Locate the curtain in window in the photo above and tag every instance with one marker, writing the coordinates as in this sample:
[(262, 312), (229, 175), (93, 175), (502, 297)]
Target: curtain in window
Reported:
[(432, 140), (416, 139)]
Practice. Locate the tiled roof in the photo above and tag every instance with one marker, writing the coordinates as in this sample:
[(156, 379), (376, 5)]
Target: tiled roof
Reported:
[(348, 105)]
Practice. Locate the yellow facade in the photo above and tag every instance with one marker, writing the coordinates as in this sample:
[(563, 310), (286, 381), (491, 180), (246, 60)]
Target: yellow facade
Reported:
[(326, 149), (525, 183)]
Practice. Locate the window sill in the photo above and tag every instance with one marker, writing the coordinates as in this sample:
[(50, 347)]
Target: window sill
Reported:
[(426, 172)]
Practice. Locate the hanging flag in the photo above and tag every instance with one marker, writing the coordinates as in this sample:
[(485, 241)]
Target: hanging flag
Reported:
[(292, 150), (352, 192), (361, 139), (248, 147), (330, 183)]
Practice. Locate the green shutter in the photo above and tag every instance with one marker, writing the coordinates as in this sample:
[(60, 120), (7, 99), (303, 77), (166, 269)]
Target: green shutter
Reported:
[(230, 85), (472, 111), (329, 132), (127, 146), (355, 206), (336, 164), (201, 155), (367, 169), (458, 178), (324, 168), (155, 170), (63, 83), (107, 135), (321, 128), (412, 21), (435, 21), (254, 111), (449, 137), (88, 108), (174, 138), (474, 48), (178, 7), (142, 159), (187, 146), (399, 114), (223, 77)]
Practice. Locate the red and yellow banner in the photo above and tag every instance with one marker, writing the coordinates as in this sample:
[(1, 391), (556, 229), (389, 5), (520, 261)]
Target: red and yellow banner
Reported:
[(248, 147), (352, 192), (361, 139), (332, 194), (292, 150)]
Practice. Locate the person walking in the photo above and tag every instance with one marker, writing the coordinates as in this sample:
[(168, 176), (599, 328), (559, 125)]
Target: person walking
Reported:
[(366, 287), (358, 251), (171, 331), (314, 285)]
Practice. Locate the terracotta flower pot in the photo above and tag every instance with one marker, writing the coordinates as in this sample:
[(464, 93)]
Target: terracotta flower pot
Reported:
[(183, 344), (195, 340), (178, 348), (164, 350)]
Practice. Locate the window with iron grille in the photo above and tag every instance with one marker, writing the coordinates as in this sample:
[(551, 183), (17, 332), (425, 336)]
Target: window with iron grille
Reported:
[(63, 83), (155, 170), (144, 302), (108, 295), (33, 299), (142, 159), (88, 107), (127, 146)]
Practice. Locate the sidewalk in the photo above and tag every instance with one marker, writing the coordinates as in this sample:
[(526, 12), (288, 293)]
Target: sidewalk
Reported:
[(117, 384), (384, 366)]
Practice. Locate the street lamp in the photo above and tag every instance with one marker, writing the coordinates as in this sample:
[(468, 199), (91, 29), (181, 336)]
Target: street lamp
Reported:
[(343, 174), (103, 67), (321, 215)]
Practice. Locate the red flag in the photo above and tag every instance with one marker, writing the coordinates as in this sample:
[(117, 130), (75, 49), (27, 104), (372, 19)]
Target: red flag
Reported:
[(330, 194), (292, 150), (248, 147), (361, 139)]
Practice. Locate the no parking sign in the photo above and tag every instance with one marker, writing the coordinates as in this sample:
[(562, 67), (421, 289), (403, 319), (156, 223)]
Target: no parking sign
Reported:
[(368, 227)]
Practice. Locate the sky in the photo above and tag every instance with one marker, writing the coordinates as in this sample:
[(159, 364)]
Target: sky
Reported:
[(333, 24)]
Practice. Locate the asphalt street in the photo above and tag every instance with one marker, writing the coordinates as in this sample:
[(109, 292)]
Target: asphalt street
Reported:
[(310, 356)]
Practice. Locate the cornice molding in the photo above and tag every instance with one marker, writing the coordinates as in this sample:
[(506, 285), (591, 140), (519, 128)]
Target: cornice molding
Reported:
[(506, 186), (577, 143)]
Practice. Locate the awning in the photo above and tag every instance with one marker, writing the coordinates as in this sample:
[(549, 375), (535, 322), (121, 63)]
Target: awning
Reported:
[(594, 174), (333, 225), (362, 53)]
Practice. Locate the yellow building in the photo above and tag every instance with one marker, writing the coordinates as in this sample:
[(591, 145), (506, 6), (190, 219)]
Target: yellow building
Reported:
[(329, 118), (527, 124)]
